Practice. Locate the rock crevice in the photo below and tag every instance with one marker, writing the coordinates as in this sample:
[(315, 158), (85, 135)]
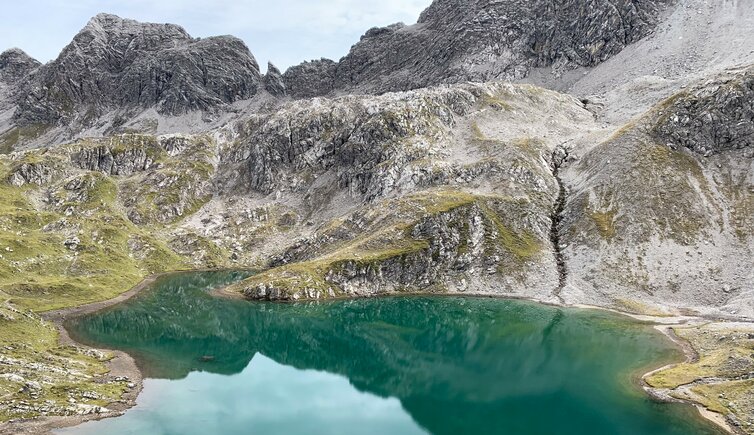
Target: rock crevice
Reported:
[(558, 159)]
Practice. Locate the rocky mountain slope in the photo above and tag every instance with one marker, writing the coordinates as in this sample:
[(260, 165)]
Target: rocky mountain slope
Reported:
[(141, 150), (15, 65), (456, 41), (663, 207)]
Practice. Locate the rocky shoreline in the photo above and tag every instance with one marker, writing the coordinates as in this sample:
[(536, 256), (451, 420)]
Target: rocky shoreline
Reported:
[(122, 368), (691, 356)]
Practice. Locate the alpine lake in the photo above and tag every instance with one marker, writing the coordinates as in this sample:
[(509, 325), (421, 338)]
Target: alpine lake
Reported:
[(393, 365)]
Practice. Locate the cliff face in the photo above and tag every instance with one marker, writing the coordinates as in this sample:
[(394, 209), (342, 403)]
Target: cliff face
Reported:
[(123, 65), (456, 41), (15, 65)]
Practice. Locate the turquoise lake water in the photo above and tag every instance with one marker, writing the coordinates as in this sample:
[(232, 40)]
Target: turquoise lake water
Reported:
[(402, 365)]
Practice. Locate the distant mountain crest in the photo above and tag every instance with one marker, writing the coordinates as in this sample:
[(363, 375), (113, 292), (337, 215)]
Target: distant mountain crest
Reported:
[(480, 40), (119, 64)]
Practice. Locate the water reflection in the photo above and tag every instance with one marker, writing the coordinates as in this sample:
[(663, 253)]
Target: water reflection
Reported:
[(264, 398)]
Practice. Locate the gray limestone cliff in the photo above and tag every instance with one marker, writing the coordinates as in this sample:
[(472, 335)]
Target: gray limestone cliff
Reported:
[(311, 79), (273, 81), (479, 40), (122, 65), (15, 66)]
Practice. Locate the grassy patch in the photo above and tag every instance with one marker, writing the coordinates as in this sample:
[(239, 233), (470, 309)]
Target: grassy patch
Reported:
[(721, 377), (16, 135), (481, 140), (523, 245), (724, 354), (638, 307), (495, 101), (730, 397), (672, 207), (45, 375), (605, 221)]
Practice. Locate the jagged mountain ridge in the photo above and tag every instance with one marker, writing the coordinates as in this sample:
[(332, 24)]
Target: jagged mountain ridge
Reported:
[(456, 41), (115, 69), (15, 64)]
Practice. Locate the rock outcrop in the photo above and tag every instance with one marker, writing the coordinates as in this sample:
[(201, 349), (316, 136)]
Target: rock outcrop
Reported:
[(120, 155), (711, 118), (273, 81), (365, 142), (122, 65), (311, 79), (438, 241), (665, 206), (38, 173)]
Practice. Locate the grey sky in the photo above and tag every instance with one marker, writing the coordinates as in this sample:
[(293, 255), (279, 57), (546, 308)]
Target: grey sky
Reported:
[(285, 32)]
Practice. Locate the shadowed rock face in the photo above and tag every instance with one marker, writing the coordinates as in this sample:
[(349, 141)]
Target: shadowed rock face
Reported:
[(461, 40), (273, 81), (311, 79), (115, 63), (15, 64)]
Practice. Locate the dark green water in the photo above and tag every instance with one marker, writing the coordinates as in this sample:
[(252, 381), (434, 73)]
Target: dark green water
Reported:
[(385, 366)]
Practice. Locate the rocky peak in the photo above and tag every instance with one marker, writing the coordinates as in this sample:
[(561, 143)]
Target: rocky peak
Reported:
[(16, 64), (115, 42), (273, 81), (122, 65), (377, 31)]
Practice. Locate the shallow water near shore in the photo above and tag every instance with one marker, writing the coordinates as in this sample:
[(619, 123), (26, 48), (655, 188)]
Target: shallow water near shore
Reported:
[(399, 365)]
